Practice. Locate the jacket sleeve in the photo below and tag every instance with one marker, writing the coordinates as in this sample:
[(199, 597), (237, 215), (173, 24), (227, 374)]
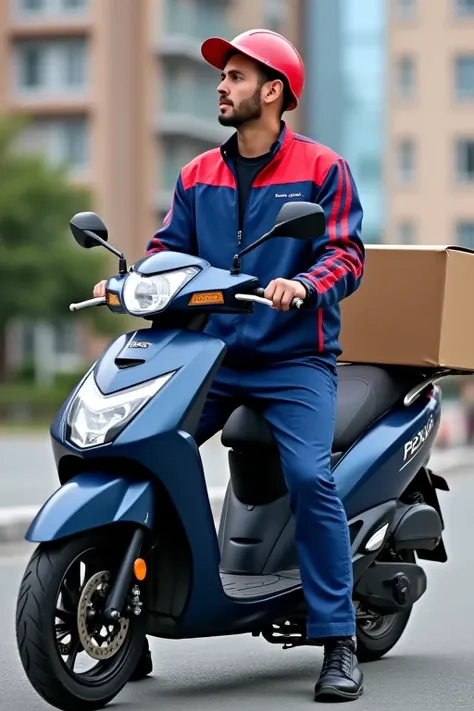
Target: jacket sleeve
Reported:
[(339, 257), (177, 232)]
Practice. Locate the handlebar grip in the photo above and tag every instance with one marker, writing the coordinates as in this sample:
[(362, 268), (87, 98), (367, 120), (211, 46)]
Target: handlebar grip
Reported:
[(97, 301), (297, 303)]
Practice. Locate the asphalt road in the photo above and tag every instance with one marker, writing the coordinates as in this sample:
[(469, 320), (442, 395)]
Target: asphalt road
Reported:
[(431, 668)]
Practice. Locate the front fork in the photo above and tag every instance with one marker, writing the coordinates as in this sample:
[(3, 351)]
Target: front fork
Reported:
[(131, 564)]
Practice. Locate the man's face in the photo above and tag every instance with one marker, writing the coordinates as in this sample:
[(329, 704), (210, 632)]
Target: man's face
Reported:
[(239, 92)]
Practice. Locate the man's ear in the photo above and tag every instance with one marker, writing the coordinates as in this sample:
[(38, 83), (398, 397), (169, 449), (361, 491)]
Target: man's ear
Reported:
[(273, 91)]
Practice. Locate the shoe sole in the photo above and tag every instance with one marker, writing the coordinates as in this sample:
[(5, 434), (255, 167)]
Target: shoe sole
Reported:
[(330, 693)]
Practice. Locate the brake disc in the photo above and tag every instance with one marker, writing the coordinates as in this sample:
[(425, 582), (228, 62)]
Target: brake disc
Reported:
[(100, 641)]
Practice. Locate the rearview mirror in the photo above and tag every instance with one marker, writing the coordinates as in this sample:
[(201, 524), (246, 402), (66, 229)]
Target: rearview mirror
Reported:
[(300, 220), (88, 230)]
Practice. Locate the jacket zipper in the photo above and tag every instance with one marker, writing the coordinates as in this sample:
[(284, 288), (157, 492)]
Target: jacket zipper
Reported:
[(240, 232), (240, 238), (240, 331)]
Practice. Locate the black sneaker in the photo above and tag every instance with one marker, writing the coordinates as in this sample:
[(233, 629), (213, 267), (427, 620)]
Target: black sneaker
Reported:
[(145, 664), (341, 677)]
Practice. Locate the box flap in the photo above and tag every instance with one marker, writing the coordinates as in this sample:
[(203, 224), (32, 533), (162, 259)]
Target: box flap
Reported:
[(419, 248)]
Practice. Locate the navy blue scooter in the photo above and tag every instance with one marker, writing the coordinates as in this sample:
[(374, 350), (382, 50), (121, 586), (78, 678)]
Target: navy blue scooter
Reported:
[(128, 544)]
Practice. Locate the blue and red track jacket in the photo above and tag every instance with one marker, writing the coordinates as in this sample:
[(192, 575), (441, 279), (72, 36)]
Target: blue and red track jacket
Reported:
[(203, 221)]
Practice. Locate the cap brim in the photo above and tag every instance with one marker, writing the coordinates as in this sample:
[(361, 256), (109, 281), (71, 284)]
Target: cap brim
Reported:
[(216, 51)]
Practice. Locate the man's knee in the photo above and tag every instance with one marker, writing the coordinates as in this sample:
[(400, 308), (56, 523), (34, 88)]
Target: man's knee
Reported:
[(310, 477)]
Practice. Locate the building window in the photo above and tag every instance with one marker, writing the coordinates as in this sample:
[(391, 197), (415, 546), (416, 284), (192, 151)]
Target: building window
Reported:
[(464, 76), (206, 18), (191, 92), (32, 5), (74, 5), (75, 142), (464, 160), (465, 233), (464, 8), (274, 15), (66, 338), (405, 9), (32, 66), (49, 8), (74, 64), (62, 141), (176, 156), (51, 67), (406, 160), (406, 232), (406, 77)]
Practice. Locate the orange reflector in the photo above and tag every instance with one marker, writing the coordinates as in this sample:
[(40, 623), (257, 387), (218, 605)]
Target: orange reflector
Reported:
[(112, 299), (139, 568), (206, 297)]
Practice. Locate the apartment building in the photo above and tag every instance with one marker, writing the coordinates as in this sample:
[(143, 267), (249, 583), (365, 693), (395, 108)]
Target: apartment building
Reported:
[(118, 91), (429, 177)]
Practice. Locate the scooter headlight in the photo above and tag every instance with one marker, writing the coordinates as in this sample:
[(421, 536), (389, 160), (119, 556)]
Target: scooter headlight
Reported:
[(95, 418), (144, 295)]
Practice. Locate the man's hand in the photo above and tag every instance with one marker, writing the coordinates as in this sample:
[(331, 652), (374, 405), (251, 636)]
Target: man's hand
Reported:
[(99, 289), (283, 291)]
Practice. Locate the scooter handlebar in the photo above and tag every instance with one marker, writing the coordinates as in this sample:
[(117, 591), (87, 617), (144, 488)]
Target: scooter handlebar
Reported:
[(258, 298), (97, 301), (296, 303)]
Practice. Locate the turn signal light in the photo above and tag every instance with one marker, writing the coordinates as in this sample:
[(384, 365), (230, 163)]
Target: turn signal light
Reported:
[(139, 568)]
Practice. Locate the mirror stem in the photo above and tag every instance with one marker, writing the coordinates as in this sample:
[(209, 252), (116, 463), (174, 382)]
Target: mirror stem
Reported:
[(236, 266), (122, 265), (99, 240)]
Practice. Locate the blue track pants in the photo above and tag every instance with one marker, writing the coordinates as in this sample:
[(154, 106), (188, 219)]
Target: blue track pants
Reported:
[(298, 398)]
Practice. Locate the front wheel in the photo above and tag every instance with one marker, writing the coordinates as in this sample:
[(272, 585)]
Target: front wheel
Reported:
[(70, 657)]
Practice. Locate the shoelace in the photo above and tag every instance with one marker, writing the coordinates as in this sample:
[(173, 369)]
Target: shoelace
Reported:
[(338, 659)]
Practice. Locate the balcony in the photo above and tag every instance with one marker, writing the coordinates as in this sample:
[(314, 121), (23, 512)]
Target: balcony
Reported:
[(187, 23), (190, 109), (49, 10), (49, 18)]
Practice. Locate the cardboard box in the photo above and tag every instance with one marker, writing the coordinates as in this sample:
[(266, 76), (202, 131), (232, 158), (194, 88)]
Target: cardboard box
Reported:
[(415, 306)]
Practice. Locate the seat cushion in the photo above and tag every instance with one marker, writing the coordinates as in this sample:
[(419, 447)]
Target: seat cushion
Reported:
[(365, 393)]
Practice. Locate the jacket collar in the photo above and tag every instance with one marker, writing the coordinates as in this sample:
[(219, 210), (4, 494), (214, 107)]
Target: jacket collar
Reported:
[(230, 148)]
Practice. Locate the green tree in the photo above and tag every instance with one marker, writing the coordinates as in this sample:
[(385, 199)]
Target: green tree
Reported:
[(42, 269)]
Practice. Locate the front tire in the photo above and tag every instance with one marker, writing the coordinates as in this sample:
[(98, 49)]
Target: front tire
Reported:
[(55, 615)]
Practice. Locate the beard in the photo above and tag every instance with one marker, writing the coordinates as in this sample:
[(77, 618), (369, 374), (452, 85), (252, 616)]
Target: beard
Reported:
[(248, 110)]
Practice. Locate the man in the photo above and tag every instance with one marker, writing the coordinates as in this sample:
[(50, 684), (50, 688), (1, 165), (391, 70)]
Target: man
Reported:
[(285, 360)]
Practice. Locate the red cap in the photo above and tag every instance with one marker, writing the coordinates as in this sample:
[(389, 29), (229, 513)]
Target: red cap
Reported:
[(264, 46)]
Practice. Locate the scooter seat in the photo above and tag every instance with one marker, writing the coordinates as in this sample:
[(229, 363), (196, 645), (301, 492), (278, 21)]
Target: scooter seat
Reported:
[(365, 393)]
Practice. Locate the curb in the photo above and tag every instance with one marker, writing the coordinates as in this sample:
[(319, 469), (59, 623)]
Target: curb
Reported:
[(14, 521)]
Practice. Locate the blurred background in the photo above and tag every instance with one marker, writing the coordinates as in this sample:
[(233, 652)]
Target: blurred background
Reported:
[(103, 101)]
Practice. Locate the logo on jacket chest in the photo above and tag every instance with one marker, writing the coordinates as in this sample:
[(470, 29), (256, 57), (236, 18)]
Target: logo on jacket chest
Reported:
[(288, 195)]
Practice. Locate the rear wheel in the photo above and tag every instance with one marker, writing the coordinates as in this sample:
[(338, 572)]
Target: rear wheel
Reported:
[(70, 657), (377, 635)]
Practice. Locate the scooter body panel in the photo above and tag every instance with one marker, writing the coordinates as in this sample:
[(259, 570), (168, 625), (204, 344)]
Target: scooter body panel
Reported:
[(381, 464), (93, 500)]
